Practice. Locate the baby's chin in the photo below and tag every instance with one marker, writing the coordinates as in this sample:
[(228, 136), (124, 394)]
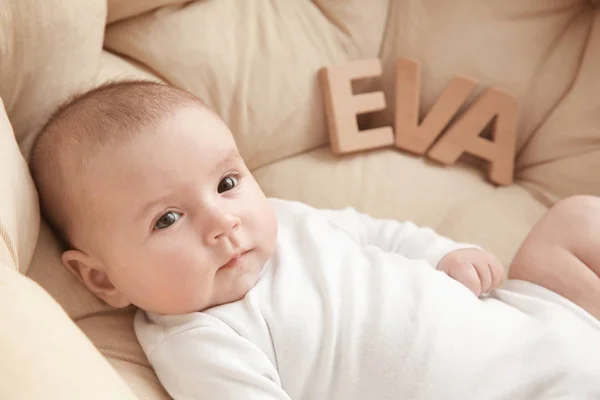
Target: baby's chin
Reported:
[(243, 281), (231, 284)]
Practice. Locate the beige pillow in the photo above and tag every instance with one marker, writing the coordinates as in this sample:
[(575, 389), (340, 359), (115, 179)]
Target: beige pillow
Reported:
[(44, 356), (121, 9), (19, 213), (563, 155), (48, 50)]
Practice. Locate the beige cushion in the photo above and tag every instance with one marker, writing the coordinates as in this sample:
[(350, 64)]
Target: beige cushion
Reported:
[(121, 9), (19, 213), (563, 156), (44, 356), (48, 50), (115, 68)]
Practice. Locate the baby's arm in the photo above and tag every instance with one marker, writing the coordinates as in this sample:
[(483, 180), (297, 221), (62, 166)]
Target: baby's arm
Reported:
[(389, 235), (475, 268), (207, 362)]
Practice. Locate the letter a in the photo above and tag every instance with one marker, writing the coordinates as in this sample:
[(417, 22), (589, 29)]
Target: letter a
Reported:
[(463, 135)]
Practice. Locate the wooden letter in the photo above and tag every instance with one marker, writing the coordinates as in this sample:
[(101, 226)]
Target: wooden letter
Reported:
[(411, 136), (341, 107), (463, 136)]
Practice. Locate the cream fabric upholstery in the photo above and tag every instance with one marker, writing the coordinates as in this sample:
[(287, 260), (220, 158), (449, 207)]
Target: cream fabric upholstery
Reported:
[(19, 213), (255, 63), (49, 49), (44, 356)]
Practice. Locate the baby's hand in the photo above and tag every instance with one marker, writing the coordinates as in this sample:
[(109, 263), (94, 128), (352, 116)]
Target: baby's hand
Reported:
[(477, 269)]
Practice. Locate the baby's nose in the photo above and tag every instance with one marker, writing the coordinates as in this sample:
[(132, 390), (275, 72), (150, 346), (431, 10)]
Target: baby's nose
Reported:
[(221, 226)]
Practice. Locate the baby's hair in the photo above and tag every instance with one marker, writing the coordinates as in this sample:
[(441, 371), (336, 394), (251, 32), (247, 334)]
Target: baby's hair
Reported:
[(106, 115)]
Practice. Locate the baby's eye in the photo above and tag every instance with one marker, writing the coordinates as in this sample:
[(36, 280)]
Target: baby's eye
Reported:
[(167, 220), (226, 184)]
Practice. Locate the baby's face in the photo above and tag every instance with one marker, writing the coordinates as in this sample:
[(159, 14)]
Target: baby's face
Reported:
[(175, 218)]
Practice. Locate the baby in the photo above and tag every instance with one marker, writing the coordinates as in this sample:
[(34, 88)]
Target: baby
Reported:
[(245, 297)]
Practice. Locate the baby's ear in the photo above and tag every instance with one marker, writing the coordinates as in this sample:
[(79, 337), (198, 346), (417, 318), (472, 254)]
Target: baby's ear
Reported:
[(89, 271)]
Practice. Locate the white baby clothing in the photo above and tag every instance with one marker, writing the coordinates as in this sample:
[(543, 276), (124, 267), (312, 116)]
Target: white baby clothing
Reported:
[(352, 308)]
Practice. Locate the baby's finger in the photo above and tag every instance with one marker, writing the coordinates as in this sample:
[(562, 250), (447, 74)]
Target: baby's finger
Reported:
[(467, 275), (484, 271), (498, 273)]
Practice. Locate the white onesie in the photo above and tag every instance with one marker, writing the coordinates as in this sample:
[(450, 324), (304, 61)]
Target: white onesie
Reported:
[(352, 308)]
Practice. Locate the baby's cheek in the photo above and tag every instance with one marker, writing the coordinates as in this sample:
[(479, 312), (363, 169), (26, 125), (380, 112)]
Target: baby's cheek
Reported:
[(273, 228), (177, 290)]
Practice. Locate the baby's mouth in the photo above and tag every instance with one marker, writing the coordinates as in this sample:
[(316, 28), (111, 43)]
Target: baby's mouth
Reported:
[(235, 260)]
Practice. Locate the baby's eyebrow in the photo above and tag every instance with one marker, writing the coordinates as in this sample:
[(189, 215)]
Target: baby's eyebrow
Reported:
[(148, 206), (232, 155)]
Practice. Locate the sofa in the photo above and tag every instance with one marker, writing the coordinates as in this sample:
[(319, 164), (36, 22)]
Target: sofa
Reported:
[(256, 63)]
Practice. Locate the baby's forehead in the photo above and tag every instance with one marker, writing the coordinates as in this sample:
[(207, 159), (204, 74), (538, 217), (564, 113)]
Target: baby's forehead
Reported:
[(191, 132), (95, 139), (185, 138)]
